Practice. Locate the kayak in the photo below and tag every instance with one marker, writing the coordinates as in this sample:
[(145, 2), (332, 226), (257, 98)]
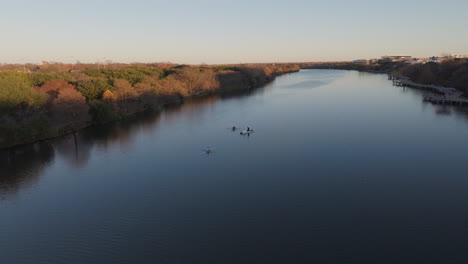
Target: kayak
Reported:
[(245, 132), (208, 151)]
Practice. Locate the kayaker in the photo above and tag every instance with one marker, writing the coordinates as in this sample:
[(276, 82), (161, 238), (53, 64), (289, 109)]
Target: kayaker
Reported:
[(233, 128)]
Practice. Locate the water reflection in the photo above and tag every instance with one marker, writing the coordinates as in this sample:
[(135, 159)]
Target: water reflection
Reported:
[(446, 110), (356, 156), (443, 110), (461, 112), (21, 167)]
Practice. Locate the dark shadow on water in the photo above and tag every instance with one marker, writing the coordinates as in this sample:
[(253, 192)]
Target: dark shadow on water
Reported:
[(308, 84), (443, 110), (21, 166), (319, 79)]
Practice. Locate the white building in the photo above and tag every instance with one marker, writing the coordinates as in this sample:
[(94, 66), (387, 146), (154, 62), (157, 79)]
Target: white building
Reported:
[(398, 58)]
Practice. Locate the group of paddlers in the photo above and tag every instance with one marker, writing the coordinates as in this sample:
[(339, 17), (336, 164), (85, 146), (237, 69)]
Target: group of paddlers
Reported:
[(234, 129)]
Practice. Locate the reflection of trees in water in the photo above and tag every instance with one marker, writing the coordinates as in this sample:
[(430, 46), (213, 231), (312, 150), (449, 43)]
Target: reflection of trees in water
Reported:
[(443, 110), (77, 149), (241, 94), (461, 112), (21, 167), (121, 133), (192, 111), (195, 110)]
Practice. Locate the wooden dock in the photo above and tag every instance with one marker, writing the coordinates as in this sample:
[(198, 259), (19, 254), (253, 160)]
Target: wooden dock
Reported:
[(451, 99), (440, 95)]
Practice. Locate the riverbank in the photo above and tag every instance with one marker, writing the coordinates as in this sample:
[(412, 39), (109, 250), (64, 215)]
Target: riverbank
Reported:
[(346, 65), (438, 95), (450, 74), (39, 102)]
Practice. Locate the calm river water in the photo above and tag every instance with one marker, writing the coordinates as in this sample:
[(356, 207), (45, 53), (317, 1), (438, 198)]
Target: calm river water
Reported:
[(343, 168)]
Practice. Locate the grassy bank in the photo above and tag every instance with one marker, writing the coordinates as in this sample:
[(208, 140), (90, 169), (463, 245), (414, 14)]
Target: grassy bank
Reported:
[(44, 101)]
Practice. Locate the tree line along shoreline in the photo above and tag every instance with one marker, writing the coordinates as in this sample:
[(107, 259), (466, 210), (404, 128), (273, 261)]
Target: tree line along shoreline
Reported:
[(451, 73), (39, 102)]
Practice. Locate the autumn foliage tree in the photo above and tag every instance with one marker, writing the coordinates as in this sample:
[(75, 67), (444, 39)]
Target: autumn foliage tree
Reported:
[(208, 80), (197, 80), (70, 108), (108, 96), (190, 79), (52, 88), (123, 90), (170, 86), (67, 106)]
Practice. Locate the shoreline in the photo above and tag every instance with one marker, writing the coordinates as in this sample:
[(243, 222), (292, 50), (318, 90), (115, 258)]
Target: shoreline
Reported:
[(451, 95), (451, 74), (166, 101)]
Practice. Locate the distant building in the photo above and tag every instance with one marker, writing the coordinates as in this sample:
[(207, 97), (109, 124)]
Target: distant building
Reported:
[(398, 58), (435, 59), (419, 60), (453, 56)]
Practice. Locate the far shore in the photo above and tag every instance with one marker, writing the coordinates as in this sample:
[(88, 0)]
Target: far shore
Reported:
[(451, 74)]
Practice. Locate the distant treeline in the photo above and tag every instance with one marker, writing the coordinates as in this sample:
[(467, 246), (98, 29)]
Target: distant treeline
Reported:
[(450, 73), (347, 65), (48, 100)]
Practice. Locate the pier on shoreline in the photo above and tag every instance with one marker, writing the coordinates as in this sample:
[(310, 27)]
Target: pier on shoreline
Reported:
[(440, 95)]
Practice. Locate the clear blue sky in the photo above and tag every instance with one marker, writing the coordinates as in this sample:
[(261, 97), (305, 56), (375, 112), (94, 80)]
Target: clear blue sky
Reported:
[(217, 31)]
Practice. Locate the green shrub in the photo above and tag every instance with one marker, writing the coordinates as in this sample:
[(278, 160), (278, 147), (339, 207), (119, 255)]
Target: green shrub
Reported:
[(16, 89), (93, 89), (133, 75), (39, 78)]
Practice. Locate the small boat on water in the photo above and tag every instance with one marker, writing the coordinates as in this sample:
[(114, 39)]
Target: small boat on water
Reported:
[(208, 150), (246, 132)]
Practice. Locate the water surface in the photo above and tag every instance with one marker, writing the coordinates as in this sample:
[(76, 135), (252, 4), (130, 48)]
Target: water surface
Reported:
[(343, 168)]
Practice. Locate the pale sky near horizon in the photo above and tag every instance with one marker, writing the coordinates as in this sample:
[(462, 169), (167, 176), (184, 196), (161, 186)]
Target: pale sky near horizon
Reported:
[(209, 31)]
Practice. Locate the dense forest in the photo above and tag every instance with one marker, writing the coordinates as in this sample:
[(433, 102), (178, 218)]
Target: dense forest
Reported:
[(44, 101)]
